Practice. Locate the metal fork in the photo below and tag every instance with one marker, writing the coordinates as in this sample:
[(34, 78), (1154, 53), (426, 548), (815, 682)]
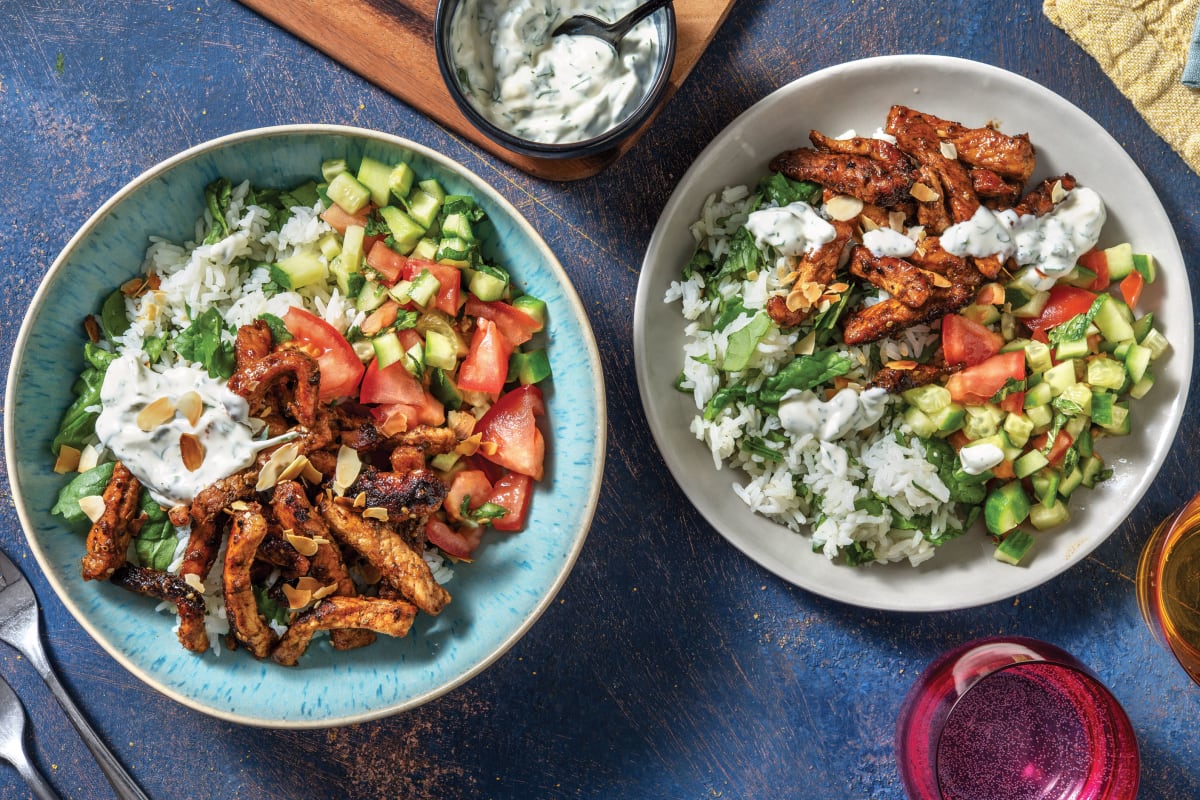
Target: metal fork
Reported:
[(12, 743), (19, 627)]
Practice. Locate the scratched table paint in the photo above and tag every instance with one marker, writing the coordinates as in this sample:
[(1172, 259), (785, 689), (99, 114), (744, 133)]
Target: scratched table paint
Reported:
[(669, 666)]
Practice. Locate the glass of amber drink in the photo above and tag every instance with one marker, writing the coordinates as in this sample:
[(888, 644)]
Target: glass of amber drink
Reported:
[(1168, 585)]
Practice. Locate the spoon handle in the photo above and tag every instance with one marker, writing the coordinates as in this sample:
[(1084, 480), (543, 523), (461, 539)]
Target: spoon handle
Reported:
[(638, 14)]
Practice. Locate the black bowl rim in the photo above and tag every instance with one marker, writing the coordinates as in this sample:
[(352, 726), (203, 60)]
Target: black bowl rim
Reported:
[(560, 150)]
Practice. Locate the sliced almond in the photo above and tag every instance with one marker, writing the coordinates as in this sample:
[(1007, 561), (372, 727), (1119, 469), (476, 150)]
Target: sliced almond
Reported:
[(940, 281), (193, 580), (1058, 193), (347, 469), (91, 328), (462, 423), (752, 275), (155, 414), (89, 457), (470, 445), (360, 501), (93, 506), (488, 448), (268, 476), (904, 365), (796, 301), (376, 512), (324, 591), (868, 224), (949, 150), (294, 469), (192, 451), (239, 505), (304, 545), (922, 193), (843, 207), (838, 287), (68, 460), (307, 583), (133, 287), (297, 598), (896, 221), (311, 474), (191, 406), (807, 345)]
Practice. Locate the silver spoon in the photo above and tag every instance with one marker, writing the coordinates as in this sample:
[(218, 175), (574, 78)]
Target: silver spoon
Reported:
[(12, 743), (611, 32)]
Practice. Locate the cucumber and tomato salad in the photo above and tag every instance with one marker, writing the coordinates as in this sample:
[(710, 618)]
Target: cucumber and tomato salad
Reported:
[(1045, 374), (443, 332)]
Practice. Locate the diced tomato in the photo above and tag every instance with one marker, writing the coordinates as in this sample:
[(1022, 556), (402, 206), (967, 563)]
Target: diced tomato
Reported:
[(338, 218), (494, 472), (965, 341), (1131, 287), (1004, 470), (380, 318), (976, 385), (1013, 402), (517, 326), (387, 262), (1062, 443), (486, 365), (393, 418), (470, 485), (1097, 262), (392, 385), (512, 492), (341, 369), (1039, 335), (456, 544), (1065, 302), (449, 279), (511, 426), (409, 339)]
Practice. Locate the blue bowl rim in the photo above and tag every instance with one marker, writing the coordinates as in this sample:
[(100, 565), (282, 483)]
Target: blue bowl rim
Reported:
[(606, 141), (164, 167)]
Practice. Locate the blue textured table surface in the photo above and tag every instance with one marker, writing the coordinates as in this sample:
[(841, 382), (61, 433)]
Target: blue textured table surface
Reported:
[(670, 666)]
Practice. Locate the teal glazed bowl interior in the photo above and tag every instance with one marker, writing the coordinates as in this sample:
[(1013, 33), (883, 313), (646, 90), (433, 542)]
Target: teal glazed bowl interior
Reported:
[(495, 599)]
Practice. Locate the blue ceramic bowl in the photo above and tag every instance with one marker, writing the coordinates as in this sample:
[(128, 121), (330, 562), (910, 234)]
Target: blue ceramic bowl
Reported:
[(496, 598)]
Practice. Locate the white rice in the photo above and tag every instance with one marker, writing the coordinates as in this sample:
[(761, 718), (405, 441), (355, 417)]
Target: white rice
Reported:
[(816, 487)]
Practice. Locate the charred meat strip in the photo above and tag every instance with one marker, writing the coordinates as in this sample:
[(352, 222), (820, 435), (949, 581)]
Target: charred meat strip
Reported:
[(390, 617), (902, 280), (397, 562), (253, 342), (1040, 199), (109, 537), (998, 192), (872, 170), (173, 589), (205, 537), (917, 137), (408, 495), (1010, 156), (895, 380), (245, 622), (256, 379)]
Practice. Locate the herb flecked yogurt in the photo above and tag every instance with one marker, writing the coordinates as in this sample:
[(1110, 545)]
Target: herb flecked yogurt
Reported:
[(550, 89)]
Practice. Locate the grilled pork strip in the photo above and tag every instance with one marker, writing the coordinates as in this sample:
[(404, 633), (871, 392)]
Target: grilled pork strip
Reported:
[(173, 589), (109, 537), (245, 622), (390, 617)]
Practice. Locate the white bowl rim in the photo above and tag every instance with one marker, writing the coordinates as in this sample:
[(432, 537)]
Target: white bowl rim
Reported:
[(569, 293)]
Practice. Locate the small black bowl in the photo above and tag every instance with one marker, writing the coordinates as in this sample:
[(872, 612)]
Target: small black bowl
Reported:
[(664, 19)]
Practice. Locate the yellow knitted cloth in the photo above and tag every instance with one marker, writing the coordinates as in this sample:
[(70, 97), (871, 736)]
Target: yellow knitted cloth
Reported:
[(1142, 46)]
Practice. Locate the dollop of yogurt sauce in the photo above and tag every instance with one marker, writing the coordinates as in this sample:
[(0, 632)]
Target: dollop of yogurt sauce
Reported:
[(887, 242), (551, 89), (793, 230), (978, 458), (155, 457), (1051, 244), (848, 411)]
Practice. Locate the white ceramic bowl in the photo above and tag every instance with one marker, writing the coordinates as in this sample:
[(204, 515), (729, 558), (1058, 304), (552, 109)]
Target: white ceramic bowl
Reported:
[(857, 96), (496, 598)]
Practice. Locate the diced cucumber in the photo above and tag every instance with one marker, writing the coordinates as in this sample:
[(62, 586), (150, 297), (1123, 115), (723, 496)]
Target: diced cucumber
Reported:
[(1120, 424), (1029, 463), (431, 187), (1091, 469), (400, 181), (488, 283), (453, 250), (1014, 547), (1045, 486), (1137, 361), (349, 282), (1040, 415), (424, 288), (1046, 517), (414, 360), (440, 351), (1112, 322), (532, 367), (375, 175), (1039, 394), (1081, 395), (949, 419), (1059, 377), (388, 349), (1143, 386), (442, 387), (302, 269), (929, 398), (1078, 423), (426, 249), (532, 306), (1080, 277), (1157, 343), (444, 462), (1142, 326), (401, 292), (1106, 373), (1102, 405), (1084, 442), (919, 422), (1033, 307), (1013, 345), (423, 207), (1005, 508), (331, 168), (1071, 348), (1070, 482), (1019, 428), (405, 230), (329, 246), (1121, 350), (457, 225), (1145, 264), (979, 426), (352, 247), (350, 195), (983, 314), (1120, 260), (371, 296)]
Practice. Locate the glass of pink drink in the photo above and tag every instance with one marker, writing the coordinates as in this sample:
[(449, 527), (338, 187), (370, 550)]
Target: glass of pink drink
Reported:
[(1012, 718)]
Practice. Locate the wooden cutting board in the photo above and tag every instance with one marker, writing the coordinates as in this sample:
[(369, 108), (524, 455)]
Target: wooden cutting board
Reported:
[(390, 43)]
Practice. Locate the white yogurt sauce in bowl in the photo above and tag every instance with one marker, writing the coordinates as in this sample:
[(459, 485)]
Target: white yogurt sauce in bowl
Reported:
[(552, 95)]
